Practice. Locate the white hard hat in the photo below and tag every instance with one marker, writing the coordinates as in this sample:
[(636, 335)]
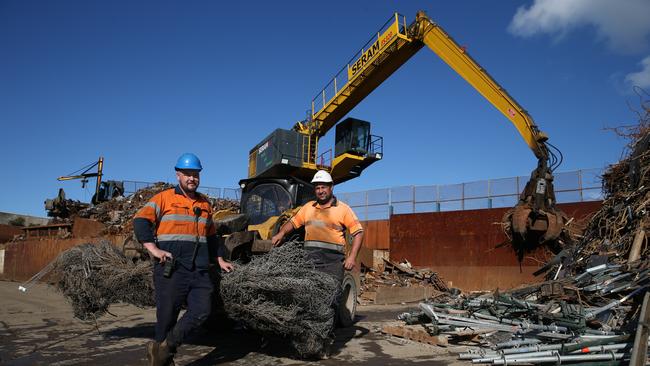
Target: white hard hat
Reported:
[(322, 176)]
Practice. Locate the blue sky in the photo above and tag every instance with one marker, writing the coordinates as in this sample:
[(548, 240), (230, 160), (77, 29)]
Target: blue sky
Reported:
[(140, 82)]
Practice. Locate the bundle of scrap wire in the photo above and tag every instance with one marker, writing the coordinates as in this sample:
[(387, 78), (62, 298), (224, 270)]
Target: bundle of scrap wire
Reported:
[(618, 229), (281, 293), (94, 276)]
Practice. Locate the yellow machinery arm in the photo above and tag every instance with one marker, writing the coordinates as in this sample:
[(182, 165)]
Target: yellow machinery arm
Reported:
[(386, 53), (85, 174), (393, 45), (455, 56)]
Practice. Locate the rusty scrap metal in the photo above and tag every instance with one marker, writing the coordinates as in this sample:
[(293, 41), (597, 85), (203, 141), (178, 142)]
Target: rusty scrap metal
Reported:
[(399, 275), (590, 304)]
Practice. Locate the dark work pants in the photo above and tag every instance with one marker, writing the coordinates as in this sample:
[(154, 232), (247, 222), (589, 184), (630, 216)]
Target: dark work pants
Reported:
[(330, 262), (195, 287)]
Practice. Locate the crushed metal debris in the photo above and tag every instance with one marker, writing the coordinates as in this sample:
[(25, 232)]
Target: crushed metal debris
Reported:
[(117, 213), (392, 275), (588, 308)]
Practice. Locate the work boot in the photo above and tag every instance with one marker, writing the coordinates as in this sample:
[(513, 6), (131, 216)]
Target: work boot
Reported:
[(169, 351), (159, 354)]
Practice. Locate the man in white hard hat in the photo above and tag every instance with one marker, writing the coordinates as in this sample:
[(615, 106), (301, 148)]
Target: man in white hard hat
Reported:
[(326, 220)]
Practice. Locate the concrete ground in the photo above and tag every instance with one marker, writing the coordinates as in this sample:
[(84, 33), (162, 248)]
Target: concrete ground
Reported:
[(37, 328)]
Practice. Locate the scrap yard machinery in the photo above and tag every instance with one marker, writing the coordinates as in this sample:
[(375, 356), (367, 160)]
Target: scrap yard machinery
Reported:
[(104, 190), (281, 166)]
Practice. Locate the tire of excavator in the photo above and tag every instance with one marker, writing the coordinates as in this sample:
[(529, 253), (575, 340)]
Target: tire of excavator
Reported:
[(347, 308)]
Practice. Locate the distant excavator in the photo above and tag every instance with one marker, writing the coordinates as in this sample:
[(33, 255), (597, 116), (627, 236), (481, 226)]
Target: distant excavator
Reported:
[(104, 190)]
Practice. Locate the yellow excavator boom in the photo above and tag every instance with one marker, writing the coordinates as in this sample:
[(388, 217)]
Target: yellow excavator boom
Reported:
[(457, 58), (392, 46)]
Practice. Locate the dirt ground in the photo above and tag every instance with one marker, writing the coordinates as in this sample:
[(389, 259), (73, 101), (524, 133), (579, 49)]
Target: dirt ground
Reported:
[(37, 328)]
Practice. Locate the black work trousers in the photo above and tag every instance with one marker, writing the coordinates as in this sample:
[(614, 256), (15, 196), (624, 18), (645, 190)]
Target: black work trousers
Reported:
[(327, 260), (191, 286)]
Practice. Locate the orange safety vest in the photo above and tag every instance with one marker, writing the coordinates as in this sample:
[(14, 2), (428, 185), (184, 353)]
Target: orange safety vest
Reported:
[(327, 224), (177, 226)]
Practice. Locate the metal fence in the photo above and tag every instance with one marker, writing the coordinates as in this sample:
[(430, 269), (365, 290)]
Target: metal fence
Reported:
[(131, 186), (379, 204)]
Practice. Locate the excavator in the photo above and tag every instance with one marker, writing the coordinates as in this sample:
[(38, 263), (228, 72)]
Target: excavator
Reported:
[(104, 190), (281, 165)]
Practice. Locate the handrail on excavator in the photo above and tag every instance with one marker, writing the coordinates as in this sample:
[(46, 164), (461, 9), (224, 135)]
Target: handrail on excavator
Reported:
[(322, 99)]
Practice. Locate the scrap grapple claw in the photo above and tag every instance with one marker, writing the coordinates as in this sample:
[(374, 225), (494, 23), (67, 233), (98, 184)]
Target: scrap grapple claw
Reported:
[(535, 220)]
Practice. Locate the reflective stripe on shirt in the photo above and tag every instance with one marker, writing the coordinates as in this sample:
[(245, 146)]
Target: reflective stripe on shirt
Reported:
[(324, 245), (181, 237), (185, 218)]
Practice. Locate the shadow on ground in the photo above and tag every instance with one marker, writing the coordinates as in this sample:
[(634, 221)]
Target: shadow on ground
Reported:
[(235, 343)]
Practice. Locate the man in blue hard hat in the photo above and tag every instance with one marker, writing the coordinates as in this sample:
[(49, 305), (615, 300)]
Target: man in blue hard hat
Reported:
[(176, 227)]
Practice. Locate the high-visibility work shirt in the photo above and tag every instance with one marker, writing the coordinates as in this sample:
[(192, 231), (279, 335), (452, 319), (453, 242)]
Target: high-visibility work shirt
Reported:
[(170, 216), (327, 224)]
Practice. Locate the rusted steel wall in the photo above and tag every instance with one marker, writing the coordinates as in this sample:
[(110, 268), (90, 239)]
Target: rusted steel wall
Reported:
[(86, 228), (376, 234), (7, 232), (461, 246), (24, 259)]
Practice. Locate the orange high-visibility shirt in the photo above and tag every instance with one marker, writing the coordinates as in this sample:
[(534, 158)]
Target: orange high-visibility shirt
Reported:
[(327, 224), (177, 227)]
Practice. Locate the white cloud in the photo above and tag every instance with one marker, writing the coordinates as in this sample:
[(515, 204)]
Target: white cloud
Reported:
[(623, 25), (641, 78)]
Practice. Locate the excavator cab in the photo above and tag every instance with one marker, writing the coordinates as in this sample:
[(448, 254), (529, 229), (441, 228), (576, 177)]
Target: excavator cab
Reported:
[(265, 205), (265, 198), (108, 190), (352, 136)]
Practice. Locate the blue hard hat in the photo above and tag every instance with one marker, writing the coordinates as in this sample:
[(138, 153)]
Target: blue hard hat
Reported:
[(188, 161)]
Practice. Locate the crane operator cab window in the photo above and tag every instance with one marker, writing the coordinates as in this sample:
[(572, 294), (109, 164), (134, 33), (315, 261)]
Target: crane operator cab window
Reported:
[(265, 201), (352, 136)]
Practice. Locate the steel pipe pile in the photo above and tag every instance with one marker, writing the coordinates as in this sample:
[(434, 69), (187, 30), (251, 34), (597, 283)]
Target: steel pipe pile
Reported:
[(590, 304)]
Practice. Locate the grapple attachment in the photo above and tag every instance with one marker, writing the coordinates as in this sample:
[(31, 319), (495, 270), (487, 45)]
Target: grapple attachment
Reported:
[(535, 220)]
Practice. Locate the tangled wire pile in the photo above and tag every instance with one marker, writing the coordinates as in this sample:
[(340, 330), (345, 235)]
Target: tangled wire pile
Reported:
[(282, 293), (617, 230), (595, 286), (94, 276)]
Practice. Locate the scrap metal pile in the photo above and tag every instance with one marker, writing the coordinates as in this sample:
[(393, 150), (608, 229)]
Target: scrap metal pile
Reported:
[(617, 231), (280, 293), (398, 275), (589, 307), (580, 318), (117, 213)]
